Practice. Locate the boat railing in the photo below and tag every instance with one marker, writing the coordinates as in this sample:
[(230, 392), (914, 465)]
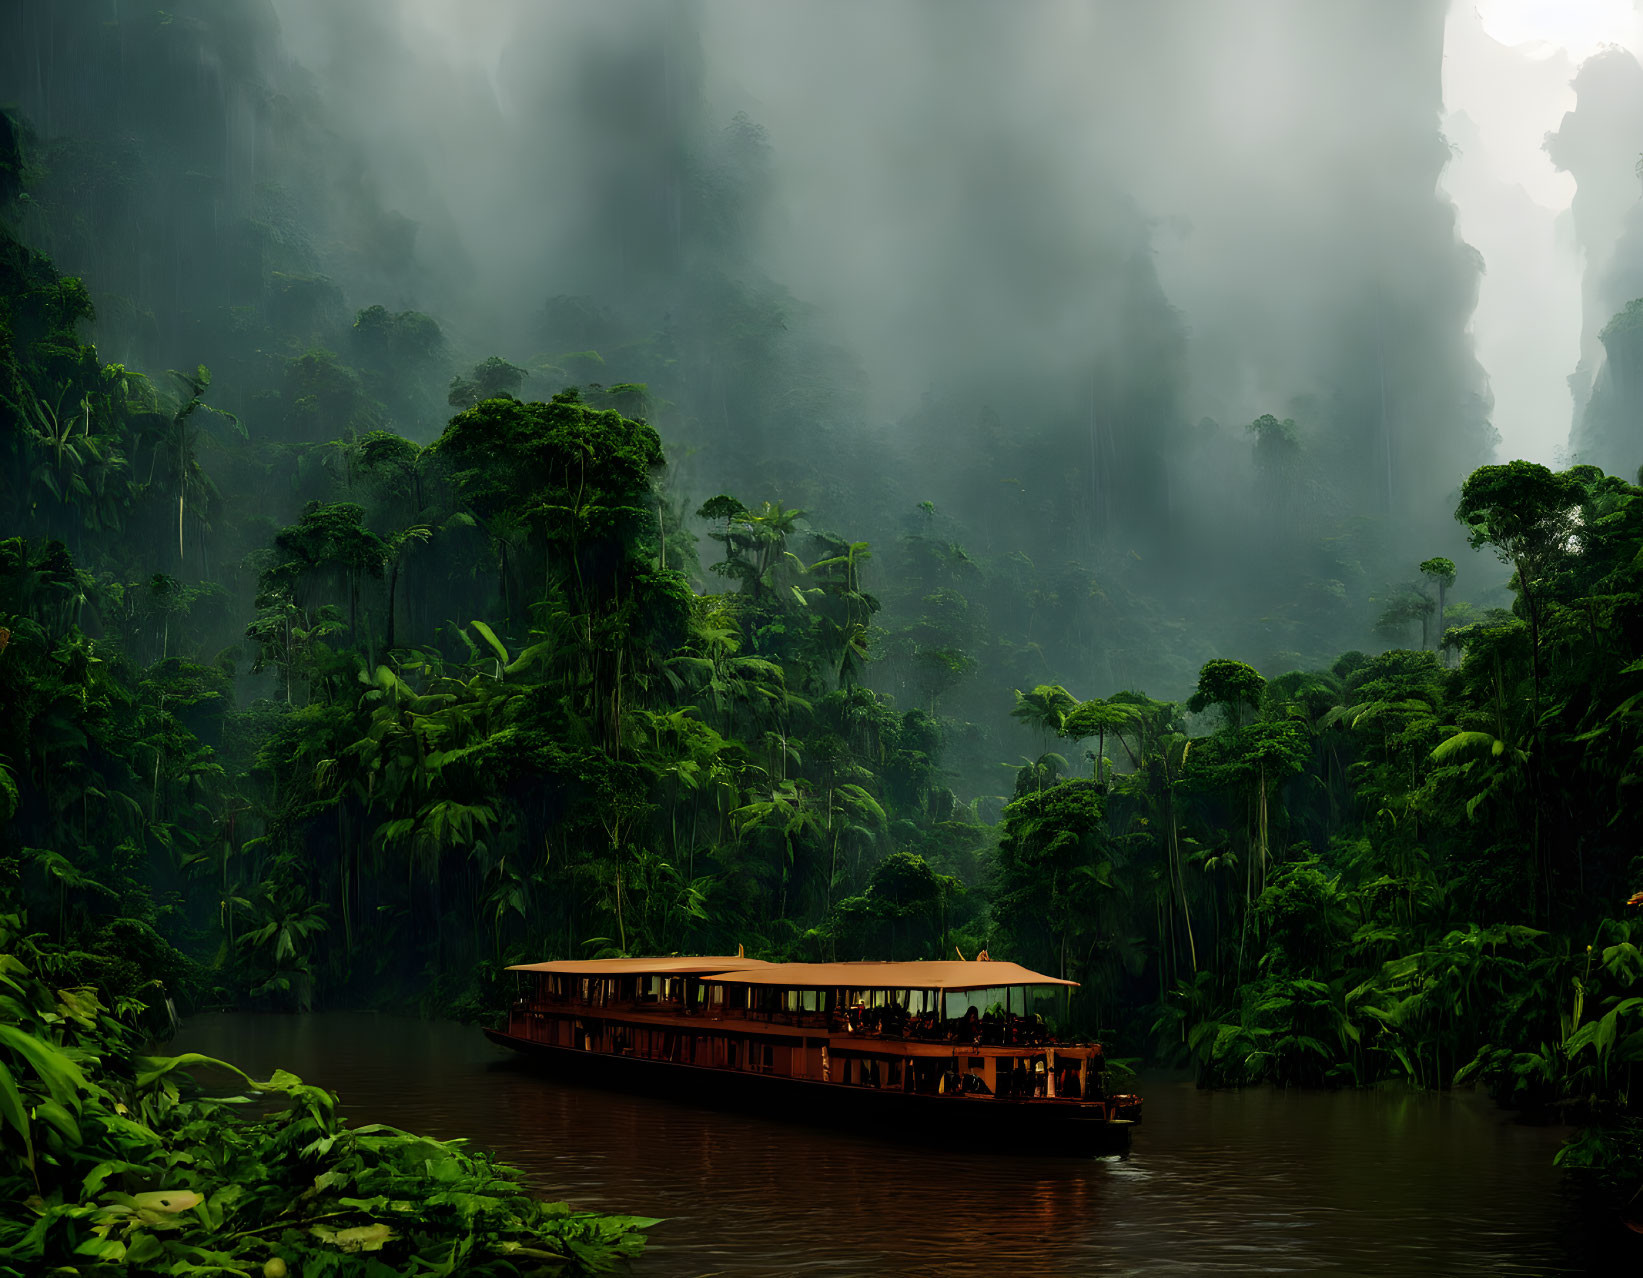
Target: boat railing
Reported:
[(1010, 1031)]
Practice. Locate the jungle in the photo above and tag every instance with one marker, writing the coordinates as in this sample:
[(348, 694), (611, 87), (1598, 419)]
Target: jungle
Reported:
[(354, 647)]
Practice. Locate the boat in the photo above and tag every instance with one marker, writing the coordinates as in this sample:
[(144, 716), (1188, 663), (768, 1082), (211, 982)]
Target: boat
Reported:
[(955, 1051)]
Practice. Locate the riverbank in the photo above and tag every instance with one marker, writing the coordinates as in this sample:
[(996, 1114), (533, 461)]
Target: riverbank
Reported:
[(116, 1159), (1377, 1183)]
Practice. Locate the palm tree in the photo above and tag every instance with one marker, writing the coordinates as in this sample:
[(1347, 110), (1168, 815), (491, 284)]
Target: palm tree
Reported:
[(784, 813), (77, 467), (1046, 708), (1441, 573), (851, 813), (285, 926), (768, 527), (1096, 718), (395, 544), (172, 434)]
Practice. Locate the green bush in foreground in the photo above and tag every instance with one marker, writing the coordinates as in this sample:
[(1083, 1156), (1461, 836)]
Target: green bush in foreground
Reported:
[(109, 1160)]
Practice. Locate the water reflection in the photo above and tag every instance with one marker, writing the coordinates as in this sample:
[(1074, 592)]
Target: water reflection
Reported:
[(1219, 1183)]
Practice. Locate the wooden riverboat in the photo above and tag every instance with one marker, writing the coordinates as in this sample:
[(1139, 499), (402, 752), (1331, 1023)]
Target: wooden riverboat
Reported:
[(946, 1050)]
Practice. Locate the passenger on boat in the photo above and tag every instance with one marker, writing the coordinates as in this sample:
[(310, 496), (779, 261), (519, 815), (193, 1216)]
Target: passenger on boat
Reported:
[(976, 1085), (1019, 1082), (1069, 1085)]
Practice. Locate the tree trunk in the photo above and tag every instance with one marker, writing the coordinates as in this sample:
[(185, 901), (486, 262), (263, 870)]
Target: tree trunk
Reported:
[(1181, 880), (393, 586)]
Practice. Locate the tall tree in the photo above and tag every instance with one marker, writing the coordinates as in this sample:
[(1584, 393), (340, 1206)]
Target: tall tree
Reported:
[(1441, 573), (1529, 516)]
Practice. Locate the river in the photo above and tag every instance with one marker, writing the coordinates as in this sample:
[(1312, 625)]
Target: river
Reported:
[(1363, 1184)]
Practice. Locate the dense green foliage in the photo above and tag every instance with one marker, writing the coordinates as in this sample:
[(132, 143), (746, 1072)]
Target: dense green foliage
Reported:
[(116, 1157), (1291, 871), (277, 680)]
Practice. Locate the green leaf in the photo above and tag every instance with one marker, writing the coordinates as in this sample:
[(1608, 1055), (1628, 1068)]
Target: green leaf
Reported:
[(169, 1201), (11, 1110), (150, 1069), (62, 1077), (489, 637), (54, 1115), (359, 1238)]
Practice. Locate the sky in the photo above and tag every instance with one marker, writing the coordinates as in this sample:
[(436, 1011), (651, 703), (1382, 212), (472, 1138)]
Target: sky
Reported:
[(1507, 68)]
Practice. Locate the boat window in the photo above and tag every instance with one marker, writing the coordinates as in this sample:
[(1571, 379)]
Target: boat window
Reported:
[(959, 1002), (1022, 1000), (1045, 1000)]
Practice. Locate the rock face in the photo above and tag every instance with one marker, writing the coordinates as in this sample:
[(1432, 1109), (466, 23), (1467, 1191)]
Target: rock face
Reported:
[(1599, 143), (1609, 432), (1323, 277)]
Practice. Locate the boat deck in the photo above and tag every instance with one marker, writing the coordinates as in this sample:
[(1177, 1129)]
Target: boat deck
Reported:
[(901, 1044), (835, 1038)]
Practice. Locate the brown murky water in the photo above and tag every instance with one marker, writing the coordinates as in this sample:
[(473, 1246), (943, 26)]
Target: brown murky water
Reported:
[(1358, 1184)]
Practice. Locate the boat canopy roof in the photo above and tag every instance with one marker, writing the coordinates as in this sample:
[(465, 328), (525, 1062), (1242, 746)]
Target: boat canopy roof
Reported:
[(948, 974), (674, 965)]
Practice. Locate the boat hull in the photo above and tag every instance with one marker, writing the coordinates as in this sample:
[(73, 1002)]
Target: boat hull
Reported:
[(993, 1123)]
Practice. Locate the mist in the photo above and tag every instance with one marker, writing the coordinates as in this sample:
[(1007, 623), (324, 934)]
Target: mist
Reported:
[(1124, 236), (1058, 481), (1599, 144), (1022, 280), (1000, 205)]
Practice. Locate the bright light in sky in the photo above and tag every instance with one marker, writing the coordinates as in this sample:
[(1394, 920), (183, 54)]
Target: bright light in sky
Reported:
[(1507, 68), (1578, 27)]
